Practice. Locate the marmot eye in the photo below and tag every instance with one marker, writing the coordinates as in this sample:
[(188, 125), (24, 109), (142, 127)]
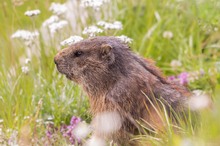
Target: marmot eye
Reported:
[(78, 53)]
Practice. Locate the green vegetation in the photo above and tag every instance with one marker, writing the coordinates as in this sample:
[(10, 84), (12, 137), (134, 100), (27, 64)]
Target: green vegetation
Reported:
[(187, 31)]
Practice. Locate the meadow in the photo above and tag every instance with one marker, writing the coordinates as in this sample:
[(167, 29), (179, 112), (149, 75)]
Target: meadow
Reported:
[(39, 106)]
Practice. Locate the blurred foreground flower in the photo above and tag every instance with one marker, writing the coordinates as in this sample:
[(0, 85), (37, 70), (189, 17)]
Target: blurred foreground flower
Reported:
[(13, 139), (107, 122), (32, 13), (125, 39), (71, 40), (91, 31), (95, 141), (199, 100)]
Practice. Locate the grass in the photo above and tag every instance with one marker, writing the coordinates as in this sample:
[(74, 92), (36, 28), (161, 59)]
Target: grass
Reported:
[(195, 27)]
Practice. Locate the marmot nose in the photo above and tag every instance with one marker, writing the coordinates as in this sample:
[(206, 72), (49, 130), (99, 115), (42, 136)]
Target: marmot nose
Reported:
[(56, 60), (60, 56)]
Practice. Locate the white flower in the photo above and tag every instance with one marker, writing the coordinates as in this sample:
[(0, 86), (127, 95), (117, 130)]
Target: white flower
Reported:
[(92, 31), (198, 92), (58, 8), (199, 100), (50, 118), (175, 63), (48, 123), (115, 25), (32, 13), (168, 34), (216, 29), (101, 23), (82, 130), (25, 69), (54, 27), (95, 141), (107, 122), (125, 39), (192, 76), (27, 61), (50, 20), (13, 139), (26, 117), (39, 120), (25, 35), (1, 120), (71, 40), (95, 4)]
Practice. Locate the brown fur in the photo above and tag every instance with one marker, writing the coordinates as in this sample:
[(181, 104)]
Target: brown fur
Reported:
[(116, 79)]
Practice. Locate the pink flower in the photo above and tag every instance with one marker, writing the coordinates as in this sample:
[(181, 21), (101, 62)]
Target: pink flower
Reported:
[(183, 78)]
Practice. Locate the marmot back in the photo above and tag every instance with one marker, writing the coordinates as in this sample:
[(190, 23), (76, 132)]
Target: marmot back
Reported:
[(118, 80)]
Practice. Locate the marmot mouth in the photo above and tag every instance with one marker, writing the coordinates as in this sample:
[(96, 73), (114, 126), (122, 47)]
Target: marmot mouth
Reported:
[(68, 76)]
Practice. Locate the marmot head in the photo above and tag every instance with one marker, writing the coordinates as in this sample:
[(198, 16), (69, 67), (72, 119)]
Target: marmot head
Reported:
[(89, 58)]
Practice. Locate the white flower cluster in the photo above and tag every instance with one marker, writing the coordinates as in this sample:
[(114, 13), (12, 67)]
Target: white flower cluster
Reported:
[(175, 63), (27, 61), (25, 35), (167, 34), (92, 31), (97, 141), (125, 39), (32, 13), (13, 139), (71, 40), (50, 20), (54, 27), (200, 100), (193, 76), (57, 8), (95, 4), (117, 25), (82, 130), (25, 69)]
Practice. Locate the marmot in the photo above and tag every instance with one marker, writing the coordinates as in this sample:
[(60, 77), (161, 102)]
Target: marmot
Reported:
[(116, 79)]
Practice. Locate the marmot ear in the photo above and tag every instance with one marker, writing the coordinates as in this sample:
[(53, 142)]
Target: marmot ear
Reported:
[(106, 50), (106, 53)]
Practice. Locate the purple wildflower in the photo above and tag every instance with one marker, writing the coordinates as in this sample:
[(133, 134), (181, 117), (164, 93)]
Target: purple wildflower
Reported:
[(183, 78), (67, 131), (74, 121), (49, 134), (171, 78)]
